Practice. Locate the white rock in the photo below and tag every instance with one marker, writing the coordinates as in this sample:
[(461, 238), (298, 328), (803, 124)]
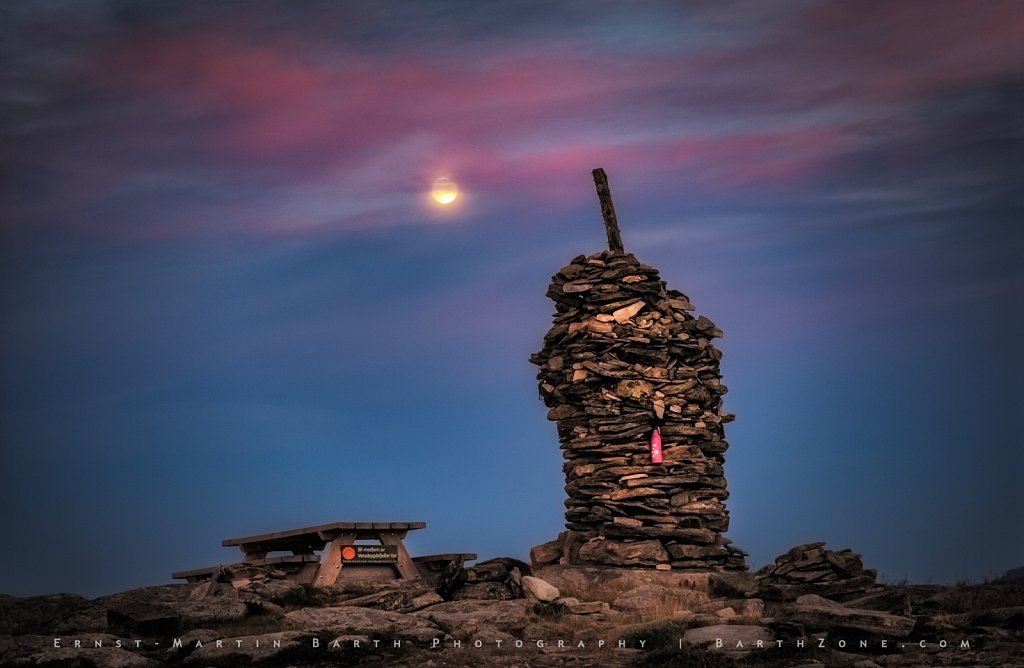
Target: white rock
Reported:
[(540, 589)]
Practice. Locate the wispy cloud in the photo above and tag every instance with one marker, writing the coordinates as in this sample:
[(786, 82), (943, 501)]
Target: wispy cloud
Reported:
[(216, 121)]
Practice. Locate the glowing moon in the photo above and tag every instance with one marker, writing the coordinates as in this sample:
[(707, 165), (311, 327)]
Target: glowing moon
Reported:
[(444, 191)]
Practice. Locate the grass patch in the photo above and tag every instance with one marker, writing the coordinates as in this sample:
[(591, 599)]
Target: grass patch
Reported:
[(542, 612), (720, 587), (297, 598), (557, 620), (662, 634), (667, 608)]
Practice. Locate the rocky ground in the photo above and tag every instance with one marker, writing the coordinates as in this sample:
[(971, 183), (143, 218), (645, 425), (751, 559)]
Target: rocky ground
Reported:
[(813, 607)]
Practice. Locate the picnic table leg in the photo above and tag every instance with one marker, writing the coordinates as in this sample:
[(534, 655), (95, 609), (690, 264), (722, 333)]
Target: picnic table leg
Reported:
[(406, 568), (253, 556), (330, 564)]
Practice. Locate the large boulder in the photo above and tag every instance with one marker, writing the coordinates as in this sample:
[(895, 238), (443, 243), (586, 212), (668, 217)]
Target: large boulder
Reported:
[(658, 601), (497, 579), (150, 611), (548, 553), (506, 616), (837, 618), (607, 583), (38, 614), (732, 639)]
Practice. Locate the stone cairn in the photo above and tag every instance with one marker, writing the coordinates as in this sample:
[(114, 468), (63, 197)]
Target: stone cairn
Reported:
[(623, 357), (812, 569)]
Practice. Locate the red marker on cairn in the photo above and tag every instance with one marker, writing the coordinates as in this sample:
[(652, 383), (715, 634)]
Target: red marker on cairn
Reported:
[(656, 446)]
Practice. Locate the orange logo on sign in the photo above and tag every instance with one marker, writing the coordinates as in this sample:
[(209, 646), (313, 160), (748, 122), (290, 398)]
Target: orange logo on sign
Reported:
[(348, 553)]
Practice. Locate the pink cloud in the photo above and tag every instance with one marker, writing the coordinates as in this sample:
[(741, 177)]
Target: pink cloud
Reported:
[(297, 112), (898, 49), (210, 69)]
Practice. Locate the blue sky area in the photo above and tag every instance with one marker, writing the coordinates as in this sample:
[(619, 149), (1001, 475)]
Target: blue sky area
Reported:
[(229, 305)]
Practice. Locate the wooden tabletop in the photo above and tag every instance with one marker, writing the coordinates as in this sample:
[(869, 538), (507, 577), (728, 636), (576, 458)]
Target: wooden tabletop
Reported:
[(315, 531)]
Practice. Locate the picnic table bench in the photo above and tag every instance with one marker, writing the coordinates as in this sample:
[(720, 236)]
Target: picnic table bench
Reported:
[(294, 565), (432, 565), (386, 551), (320, 554)]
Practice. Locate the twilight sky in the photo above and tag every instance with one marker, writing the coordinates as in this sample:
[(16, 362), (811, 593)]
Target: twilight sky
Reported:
[(229, 307)]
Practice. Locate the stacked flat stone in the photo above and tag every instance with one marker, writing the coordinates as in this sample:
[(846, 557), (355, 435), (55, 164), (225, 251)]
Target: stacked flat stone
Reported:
[(812, 569), (624, 356)]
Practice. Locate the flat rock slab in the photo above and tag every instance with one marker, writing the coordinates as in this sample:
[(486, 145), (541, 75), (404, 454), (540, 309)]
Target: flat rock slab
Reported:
[(159, 595), (842, 588), (149, 611), (582, 581), (974, 597), (250, 648), (742, 607), (505, 616), (32, 650), (424, 601), (893, 599), (734, 639), (214, 610), (279, 591), (578, 607), (659, 600), (824, 618), (41, 614), (390, 597), (814, 599), (351, 620), (546, 553), (615, 553)]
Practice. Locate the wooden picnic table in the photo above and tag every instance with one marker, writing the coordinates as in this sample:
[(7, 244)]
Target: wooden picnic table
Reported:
[(340, 539)]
